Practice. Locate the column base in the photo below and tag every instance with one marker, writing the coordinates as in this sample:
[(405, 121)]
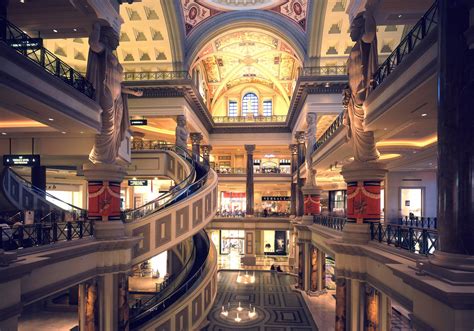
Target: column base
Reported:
[(356, 233), (104, 172), (249, 260), (109, 230)]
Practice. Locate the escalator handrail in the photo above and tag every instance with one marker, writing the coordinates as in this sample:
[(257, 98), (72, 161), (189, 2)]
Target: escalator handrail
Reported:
[(144, 315), (38, 191), (178, 191)]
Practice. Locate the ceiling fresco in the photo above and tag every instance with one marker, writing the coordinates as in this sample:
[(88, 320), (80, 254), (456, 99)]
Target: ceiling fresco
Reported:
[(248, 57), (197, 11)]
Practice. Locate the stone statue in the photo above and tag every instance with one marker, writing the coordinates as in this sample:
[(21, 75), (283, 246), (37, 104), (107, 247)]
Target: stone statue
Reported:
[(361, 66), (182, 132), (106, 74), (310, 142)]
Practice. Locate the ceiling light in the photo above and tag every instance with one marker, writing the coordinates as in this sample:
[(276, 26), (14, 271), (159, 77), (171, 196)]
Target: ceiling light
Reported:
[(50, 119), (22, 1), (55, 31), (4, 133), (414, 152), (431, 163), (82, 132), (400, 16), (424, 114), (385, 129), (326, 85), (269, 155), (75, 30), (63, 132)]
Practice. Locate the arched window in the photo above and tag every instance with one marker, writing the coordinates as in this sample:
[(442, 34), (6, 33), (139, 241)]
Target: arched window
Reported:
[(250, 104)]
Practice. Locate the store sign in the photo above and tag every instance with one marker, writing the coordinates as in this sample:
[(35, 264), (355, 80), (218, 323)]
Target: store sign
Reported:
[(139, 122), (26, 44), (285, 162), (137, 182), (276, 198), (21, 160)]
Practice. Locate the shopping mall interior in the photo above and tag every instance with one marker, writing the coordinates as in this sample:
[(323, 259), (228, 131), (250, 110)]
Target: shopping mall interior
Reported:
[(237, 165)]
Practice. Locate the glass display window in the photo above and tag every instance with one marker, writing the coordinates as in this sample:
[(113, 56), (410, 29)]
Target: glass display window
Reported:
[(275, 242), (232, 242), (411, 202)]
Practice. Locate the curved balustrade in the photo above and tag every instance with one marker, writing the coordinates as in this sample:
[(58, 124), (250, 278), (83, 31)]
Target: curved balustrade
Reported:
[(420, 31), (22, 195), (330, 131), (250, 119), (156, 75), (32, 48)]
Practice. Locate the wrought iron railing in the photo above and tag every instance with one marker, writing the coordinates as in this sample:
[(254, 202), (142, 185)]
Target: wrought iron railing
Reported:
[(417, 240), (40, 234), (420, 31), (33, 49), (193, 182), (156, 305), (156, 75), (419, 222), (250, 119), (323, 71), (332, 222), (330, 131)]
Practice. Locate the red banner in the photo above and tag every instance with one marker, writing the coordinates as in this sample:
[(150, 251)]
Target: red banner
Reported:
[(104, 200), (363, 201)]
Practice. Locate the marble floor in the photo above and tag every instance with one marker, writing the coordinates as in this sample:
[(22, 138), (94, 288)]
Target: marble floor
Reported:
[(264, 262), (278, 306), (48, 321)]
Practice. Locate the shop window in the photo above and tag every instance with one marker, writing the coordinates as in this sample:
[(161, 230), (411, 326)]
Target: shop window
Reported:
[(250, 104), (267, 108), (232, 111), (411, 202)]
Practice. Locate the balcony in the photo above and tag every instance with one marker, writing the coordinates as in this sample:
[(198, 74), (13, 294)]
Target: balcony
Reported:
[(249, 119)]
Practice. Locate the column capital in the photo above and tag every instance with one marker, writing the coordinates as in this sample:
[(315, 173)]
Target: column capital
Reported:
[(196, 137), (300, 137), (293, 148), (206, 149), (249, 148)]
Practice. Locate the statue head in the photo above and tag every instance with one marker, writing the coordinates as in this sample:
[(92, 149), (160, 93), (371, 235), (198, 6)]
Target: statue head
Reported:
[(109, 37), (357, 27), (181, 119), (310, 119)]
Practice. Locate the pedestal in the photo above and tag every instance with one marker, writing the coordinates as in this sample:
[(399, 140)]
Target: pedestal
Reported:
[(312, 203)]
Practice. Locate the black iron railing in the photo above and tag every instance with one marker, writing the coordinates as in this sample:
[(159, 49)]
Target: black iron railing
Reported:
[(417, 240), (419, 222), (323, 71), (33, 49), (250, 119), (156, 75), (420, 31), (143, 145), (39, 234), (332, 222), (330, 131)]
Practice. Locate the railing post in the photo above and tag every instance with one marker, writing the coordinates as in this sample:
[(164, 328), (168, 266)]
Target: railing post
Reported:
[(424, 244), (39, 234), (380, 231), (55, 232), (68, 231), (389, 232), (372, 235), (57, 68), (42, 56), (20, 235), (1, 229), (81, 229), (411, 241), (399, 236)]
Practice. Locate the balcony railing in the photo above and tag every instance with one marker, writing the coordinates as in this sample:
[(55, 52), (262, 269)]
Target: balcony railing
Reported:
[(40, 234), (250, 119), (330, 131), (419, 222), (332, 222), (420, 31), (156, 76), (417, 240), (141, 145), (33, 49), (323, 71)]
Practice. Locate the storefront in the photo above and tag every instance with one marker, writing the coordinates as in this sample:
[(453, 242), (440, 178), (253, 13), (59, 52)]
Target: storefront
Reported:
[(337, 202), (232, 203), (139, 191), (65, 194), (411, 202), (232, 242), (276, 205), (275, 242)]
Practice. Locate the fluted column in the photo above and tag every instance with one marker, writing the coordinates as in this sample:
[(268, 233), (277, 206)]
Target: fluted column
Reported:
[(300, 138), (249, 184), (196, 138), (206, 151), (294, 168)]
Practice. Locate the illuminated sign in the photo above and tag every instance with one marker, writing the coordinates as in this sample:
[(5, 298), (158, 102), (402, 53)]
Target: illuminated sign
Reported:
[(139, 122), (21, 160), (137, 182), (25, 44), (276, 198)]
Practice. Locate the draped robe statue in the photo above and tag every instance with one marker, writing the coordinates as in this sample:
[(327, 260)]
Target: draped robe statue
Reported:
[(310, 142), (182, 133), (106, 74), (361, 66)]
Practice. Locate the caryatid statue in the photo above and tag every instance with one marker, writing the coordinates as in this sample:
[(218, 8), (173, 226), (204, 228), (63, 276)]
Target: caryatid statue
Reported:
[(182, 132), (106, 74), (361, 67), (310, 136)]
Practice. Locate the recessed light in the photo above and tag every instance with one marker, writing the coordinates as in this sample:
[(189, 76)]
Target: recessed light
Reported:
[(55, 31), (63, 132), (400, 16), (75, 30), (82, 132), (4, 133), (22, 1), (385, 129), (424, 114), (414, 152), (51, 119), (327, 85), (431, 163)]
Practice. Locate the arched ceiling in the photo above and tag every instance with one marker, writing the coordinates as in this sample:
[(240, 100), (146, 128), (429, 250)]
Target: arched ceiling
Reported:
[(197, 11), (246, 57)]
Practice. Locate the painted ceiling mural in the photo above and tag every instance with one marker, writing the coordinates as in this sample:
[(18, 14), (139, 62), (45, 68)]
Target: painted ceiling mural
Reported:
[(197, 11), (248, 56)]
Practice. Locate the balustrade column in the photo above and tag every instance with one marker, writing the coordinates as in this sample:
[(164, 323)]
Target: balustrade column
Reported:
[(196, 138), (294, 168), (455, 138), (249, 184), (206, 151), (300, 138)]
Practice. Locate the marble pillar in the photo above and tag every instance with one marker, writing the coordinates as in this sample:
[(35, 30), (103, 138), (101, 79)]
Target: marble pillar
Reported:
[(301, 265), (371, 308), (249, 184), (455, 137), (294, 169), (196, 138), (89, 306), (314, 268), (206, 151), (300, 138), (123, 303), (341, 305)]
